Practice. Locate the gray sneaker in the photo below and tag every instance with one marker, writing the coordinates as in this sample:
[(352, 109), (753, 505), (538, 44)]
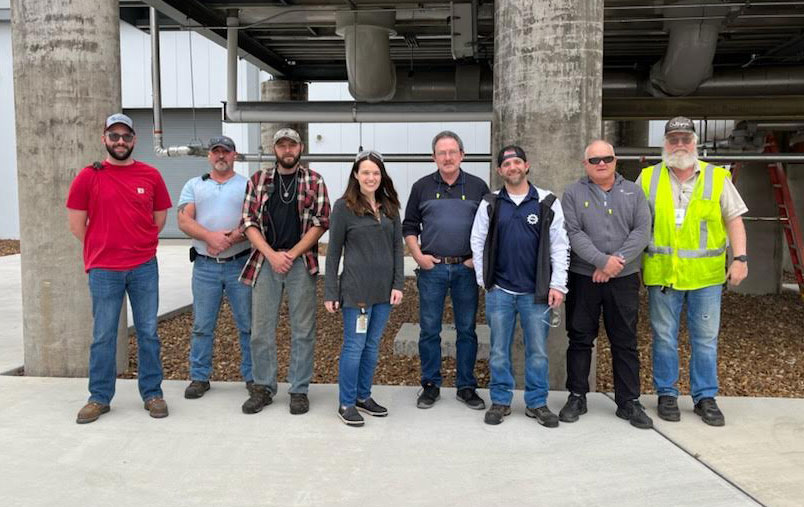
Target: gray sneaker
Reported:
[(543, 416), (496, 414)]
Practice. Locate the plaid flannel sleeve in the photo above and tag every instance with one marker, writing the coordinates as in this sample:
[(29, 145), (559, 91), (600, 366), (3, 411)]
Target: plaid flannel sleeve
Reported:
[(322, 208), (251, 205)]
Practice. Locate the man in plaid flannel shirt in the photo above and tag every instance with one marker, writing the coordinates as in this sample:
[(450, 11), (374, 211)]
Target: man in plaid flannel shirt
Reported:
[(285, 212)]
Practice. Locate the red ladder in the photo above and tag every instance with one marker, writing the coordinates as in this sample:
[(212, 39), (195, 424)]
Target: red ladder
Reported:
[(787, 213)]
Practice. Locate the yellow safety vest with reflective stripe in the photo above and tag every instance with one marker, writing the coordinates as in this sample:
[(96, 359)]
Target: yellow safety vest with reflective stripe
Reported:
[(692, 256)]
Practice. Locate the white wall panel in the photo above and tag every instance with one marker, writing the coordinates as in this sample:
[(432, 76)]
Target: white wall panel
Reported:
[(9, 203)]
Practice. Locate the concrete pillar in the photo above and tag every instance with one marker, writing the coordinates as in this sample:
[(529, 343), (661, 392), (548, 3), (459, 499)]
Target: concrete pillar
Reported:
[(66, 81), (548, 59), (277, 90)]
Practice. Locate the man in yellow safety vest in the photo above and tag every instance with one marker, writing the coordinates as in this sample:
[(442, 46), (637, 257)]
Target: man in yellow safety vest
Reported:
[(695, 207)]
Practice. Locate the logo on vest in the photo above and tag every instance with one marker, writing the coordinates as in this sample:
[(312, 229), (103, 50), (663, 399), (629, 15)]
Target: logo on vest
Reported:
[(533, 219), (140, 190)]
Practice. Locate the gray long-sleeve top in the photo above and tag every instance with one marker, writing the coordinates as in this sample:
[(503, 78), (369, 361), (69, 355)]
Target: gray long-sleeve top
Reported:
[(603, 223), (372, 258)]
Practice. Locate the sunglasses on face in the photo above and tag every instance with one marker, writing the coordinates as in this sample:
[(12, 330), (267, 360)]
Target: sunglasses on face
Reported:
[(114, 137), (608, 159), (679, 140), (366, 153)]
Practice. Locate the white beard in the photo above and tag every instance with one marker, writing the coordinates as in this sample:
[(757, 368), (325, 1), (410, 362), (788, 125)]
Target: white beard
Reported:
[(680, 160)]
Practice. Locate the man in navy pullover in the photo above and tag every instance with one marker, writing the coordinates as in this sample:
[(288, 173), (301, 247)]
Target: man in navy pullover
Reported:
[(521, 255)]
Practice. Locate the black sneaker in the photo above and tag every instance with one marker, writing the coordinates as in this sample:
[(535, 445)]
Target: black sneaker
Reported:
[(634, 412), (543, 416), (350, 416), (496, 414), (573, 409), (196, 389), (428, 396), (710, 414), (299, 404), (371, 407), (259, 397), (668, 409), (469, 396)]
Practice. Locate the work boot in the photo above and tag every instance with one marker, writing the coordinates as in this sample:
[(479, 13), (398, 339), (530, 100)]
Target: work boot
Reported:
[(710, 414), (299, 404), (196, 389), (429, 394), (156, 407), (496, 414), (259, 397), (469, 397), (249, 385), (543, 416), (371, 407), (91, 412), (634, 412), (668, 409), (573, 409)]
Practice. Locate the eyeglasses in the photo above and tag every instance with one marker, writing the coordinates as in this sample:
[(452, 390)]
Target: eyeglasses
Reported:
[(368, 153), (450, 153), (114, 137), (678, 139), (551, 317), (608, 159)]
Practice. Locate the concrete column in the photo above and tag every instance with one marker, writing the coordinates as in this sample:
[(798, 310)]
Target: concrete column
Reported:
[(548, 59), (277, 90), (66, 81)]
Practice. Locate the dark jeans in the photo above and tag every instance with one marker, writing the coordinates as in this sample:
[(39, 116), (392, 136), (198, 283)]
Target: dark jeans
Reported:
[(619, 299)]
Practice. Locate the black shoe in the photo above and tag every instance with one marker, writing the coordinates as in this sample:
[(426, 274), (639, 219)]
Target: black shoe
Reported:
[(634, 412), (249, 385), (710, 414), (543, 416), (668, 408), (496, 413), (259, 397), (299, 404), (573, 409), (196, 389), (469, 396), (371, 407), (350, 416), (428, 396)]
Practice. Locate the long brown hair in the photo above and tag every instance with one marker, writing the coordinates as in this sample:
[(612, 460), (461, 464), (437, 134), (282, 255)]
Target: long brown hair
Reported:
[(385, 195)]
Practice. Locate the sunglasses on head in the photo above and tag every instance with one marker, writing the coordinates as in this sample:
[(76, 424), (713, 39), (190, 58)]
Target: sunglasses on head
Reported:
[(114, 137), (367, 153), (608, 159)]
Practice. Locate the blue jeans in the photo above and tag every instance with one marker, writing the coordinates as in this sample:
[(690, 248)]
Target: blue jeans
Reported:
[(107, 288), (359, 353), (703, 323), (433, 285), (210, 280), (501, 311), (265, 300)]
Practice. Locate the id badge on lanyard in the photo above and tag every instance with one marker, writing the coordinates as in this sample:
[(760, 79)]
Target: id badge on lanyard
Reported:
[(680, 213), (361, 326)]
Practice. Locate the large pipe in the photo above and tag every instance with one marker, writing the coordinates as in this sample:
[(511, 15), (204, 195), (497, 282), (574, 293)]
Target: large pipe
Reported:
[(371, 72)]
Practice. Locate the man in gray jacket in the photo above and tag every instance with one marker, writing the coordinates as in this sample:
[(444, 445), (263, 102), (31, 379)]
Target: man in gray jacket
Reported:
[(608, 223)]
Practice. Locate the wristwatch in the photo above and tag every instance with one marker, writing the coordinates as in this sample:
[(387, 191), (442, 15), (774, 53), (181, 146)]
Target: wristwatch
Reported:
[(741, 258)]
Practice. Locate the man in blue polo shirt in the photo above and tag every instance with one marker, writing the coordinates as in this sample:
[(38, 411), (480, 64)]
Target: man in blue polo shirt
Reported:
[(521, 255), (209, 211)]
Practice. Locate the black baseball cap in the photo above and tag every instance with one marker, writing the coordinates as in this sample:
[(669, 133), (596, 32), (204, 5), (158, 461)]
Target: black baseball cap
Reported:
[(511, 151), (679, 124), (222, 141)]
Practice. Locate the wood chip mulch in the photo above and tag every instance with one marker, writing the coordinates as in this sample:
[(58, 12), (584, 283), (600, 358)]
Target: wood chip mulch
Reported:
[(9, 247), (761, 349)]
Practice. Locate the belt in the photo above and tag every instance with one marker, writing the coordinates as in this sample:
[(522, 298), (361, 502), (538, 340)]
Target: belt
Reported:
[(220, 260), (453, 260)]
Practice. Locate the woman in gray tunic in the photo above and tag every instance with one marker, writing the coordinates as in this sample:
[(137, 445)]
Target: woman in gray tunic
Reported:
[(365, 227)]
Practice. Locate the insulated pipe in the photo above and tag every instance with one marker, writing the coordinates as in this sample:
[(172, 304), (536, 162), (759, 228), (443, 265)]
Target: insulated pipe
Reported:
[(371, 72)]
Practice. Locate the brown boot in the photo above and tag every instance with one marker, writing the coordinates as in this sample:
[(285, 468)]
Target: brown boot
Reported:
[(90, 412), (157, 407)]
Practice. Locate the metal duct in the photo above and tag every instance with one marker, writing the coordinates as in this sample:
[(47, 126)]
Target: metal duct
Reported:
[(370, 70)]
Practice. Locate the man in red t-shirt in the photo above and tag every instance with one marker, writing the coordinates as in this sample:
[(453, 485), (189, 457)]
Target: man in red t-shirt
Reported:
[(116, 209)]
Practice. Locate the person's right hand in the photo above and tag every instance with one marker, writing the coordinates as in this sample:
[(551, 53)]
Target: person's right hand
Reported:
[(281, 262), (217, 242), (614, 265), (331, 306), (427, 261)]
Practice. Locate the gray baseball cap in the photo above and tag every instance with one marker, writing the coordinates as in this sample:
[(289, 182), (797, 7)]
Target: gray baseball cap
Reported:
[(679, 124), (121, 119), (222, 141), (287, 133)]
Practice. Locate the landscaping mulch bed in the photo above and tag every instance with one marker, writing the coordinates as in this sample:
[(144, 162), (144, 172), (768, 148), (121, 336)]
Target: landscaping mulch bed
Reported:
[(9, 247), (761, 350)]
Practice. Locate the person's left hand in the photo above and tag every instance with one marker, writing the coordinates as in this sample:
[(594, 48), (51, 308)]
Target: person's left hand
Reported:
[(738, 271), (396, 296), (555, 298)]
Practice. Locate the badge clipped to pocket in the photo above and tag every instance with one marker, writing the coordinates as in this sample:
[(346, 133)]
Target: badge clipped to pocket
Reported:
[(680, 212), (361, 327)]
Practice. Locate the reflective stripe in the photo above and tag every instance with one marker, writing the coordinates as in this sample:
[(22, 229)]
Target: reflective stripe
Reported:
[(709, 181), (704, 235), (653, 249), (654, 185), (700, 254)]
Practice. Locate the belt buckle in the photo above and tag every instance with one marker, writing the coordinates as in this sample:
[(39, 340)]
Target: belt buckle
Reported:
[(220, 261)]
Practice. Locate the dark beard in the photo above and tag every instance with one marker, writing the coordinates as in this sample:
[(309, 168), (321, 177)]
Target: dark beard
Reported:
[(292, 164), (116, 156)]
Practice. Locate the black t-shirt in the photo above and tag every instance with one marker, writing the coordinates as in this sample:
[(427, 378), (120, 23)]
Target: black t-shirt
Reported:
[(281, 218)]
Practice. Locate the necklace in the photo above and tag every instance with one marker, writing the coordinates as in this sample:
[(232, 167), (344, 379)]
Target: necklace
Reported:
[(286, 196)]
